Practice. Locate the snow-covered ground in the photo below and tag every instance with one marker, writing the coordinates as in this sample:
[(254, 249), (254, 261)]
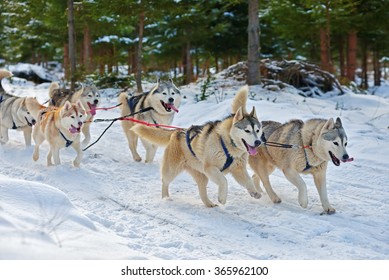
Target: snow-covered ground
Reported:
[(111, 207)]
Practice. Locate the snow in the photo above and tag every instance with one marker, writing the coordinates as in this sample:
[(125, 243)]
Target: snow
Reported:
[(113, 202)]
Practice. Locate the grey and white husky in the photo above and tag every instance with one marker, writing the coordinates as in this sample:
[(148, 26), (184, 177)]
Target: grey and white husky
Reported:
[(16, 112), (210, 151), (164, 99), (315, 143)]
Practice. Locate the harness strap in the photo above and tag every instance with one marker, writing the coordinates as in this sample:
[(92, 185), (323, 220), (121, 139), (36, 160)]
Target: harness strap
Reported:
[(1, 98), (189, 140), (229, 159), (307, 165), (68, 142), (14, 125)]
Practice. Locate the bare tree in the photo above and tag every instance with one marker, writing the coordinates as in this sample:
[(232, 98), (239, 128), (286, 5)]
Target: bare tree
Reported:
[(253, 77), (71, 45)]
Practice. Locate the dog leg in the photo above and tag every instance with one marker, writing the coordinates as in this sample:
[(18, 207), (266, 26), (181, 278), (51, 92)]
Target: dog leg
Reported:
[(170, 168), (263, 174), (150, 150), (4, 135), (77, 147), (202, 182), (27, 135), (319, 178), (38, 139), (86, 131), (132, 139), (294, 177), (243, 178), (218, 178), (56, 158), (49, 157)]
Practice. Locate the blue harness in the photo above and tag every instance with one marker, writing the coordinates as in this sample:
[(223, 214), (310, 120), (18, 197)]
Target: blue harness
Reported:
[(229, 159)]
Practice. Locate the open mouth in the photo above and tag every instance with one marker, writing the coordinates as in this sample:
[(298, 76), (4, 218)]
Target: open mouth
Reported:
[(74, 129), (169, 107), (92, 108), (250, 149), (30, 123), (337, 161)]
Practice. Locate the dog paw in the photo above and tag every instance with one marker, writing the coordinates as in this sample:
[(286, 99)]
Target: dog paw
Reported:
[(211, 205), (303, 201), (138, 159), (276, 200), (222, 200), (256, 195), (328, 211)]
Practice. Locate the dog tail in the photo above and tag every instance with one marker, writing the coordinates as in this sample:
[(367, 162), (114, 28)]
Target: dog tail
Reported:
[(52, 88), (123, 98), (4, 74), (156, 136), (240, 100)]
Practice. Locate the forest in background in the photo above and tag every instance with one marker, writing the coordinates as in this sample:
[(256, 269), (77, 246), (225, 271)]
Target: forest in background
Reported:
[(187, 38)]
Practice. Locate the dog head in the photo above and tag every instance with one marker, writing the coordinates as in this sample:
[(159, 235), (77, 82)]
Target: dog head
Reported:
[(166, 97), (73, 116), (334, 141), (246, 131), (90, 97), (33, 107)]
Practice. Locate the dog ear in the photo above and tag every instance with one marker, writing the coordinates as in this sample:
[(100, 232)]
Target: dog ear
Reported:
[(79, 104), (329, 124), (238, 115), (338, 123), (67, 105), (253, 113)]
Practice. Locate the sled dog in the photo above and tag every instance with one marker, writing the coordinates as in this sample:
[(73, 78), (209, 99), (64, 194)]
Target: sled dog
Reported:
[(210, 151), (16, 113), (315, 143), (61, 127), (89, 97), (164, 98)]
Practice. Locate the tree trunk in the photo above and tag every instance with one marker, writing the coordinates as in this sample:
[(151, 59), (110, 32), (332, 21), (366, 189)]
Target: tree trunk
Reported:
[(188, 64), (364, 82), (324, 54), (72, 49), (376, 67), (66, 63), (87, 53), (351, 55), (139, 53), (253, 77), (342, 60)]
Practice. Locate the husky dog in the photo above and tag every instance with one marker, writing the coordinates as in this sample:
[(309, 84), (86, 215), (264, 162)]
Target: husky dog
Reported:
[(164, 99), (89, 97), (17, 113), (315, 142), (61, 127), (210, 151)]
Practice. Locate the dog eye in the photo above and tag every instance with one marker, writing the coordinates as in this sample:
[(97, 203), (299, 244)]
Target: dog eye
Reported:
[(257, 130), (90, 95), (173, 93), (72, 117), (248, 131), (164, 93), (345, 144), (336, 143), (28, 112)]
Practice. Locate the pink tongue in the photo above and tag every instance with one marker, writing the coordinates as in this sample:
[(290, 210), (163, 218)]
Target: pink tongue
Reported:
[(171, 106), (73, 130), (252, 150), (348, 160), (92, 109)]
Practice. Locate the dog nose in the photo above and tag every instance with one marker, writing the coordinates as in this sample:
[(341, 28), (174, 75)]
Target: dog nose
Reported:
[(345, 156), (80, 123), (257, 143), (171, 99), (96, 101)]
